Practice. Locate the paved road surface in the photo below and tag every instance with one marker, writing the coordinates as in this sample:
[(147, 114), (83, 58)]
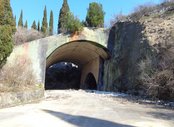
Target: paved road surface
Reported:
[(81, 109)]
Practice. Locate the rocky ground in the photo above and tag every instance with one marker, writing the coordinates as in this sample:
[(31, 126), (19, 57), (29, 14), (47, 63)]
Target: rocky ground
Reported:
[(86, 109)]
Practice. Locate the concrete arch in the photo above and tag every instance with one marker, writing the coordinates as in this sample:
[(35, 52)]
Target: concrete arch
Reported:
[(88, 50), (84, 53)]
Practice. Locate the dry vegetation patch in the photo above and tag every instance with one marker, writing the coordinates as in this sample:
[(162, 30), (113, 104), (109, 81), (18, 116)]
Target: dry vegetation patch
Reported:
[(24, 35), (157, 74), (17, 76)]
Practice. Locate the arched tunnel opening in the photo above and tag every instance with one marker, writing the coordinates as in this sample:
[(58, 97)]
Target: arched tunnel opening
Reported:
[(63, 75), (90, 82), (75, 65)]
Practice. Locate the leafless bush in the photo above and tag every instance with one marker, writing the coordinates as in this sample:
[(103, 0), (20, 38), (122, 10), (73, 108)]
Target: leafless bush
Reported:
[(166, 1), (118, 18), (24, 35), (142, 10), (17, 76), (157, 75)]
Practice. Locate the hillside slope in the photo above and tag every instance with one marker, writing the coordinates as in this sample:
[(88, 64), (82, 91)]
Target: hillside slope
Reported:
[(142, 48)]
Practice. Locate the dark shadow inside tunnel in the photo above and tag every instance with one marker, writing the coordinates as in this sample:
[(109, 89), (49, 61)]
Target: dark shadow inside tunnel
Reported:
[(90, 82), (63, 75)]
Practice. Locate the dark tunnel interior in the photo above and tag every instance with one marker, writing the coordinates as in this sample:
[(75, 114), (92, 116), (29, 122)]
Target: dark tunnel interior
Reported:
[(63, 75)]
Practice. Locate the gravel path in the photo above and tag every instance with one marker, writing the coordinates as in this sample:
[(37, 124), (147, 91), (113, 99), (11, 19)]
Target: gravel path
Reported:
[(82, 109)]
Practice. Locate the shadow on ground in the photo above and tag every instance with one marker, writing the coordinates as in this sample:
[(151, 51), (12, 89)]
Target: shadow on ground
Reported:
[(162, 116), (84, 121)]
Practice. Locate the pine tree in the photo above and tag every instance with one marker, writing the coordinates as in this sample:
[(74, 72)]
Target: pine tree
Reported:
[(26, 24), (44, 22), (38, 26), (34, 25), (95, 15), (51, 23), (64, 11), (20, 22)]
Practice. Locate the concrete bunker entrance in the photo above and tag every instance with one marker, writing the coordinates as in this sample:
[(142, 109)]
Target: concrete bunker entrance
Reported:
[(77, 65)]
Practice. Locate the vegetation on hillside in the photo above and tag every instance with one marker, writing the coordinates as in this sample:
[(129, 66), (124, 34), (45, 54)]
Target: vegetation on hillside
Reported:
[(154, 73), (146, 10), (157, 70), (157, 74), (20, 78)]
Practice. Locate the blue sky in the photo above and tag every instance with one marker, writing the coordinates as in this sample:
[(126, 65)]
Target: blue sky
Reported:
[(33, 9)]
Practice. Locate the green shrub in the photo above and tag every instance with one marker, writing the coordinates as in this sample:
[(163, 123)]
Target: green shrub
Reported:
[(73, 24)]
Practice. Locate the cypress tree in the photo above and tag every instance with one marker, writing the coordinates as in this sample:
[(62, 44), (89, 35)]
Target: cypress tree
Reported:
[(38, 26), (34, 25), (26, 24), (64, 11), (2, 12), (20, 22), (6, 15), (7, 28), (51, 23), (44, 22)]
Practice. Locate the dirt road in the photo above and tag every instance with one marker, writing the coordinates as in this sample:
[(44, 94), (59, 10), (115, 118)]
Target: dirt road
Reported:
[(81, 109)]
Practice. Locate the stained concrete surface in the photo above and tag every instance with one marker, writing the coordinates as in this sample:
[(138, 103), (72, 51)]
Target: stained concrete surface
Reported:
[(81, 109)]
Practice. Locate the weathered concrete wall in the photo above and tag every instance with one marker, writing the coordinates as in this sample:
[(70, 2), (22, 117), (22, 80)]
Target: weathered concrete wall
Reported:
[(127, 46), (92, 67), (34, 52), (37, 52)]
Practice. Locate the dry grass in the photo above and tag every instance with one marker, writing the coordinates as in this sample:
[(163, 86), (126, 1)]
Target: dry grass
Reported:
[(17, 76)]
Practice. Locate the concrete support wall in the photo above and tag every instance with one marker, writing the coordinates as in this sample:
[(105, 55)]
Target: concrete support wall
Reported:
[(31, 56), (93, 67), (101, 74)]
